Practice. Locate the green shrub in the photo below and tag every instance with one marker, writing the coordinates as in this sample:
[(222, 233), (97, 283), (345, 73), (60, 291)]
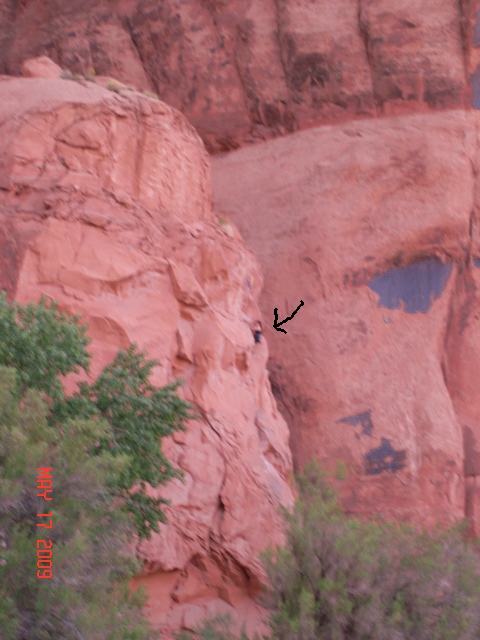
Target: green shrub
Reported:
[(115, 86), (103, 445), (90, 74), (213, 628), (339, 578), (68, 75), (87, 594), (341, 471), (140, 415), (41, 343)]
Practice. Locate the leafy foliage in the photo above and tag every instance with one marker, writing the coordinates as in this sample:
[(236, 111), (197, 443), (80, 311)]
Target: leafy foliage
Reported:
[(339, 578), (41, 343), (87, 595), (140, 415), (214, 628), (103, 445)]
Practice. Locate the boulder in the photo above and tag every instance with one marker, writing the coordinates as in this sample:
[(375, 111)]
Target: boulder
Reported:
[(41, 67)]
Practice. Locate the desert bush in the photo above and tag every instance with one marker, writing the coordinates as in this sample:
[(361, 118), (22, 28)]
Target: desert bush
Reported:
[(90, 74), (41, 344), (214, 628), (115, 86), (342, 579)]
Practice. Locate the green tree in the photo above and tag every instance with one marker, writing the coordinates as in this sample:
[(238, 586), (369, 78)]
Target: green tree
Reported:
[(41, 343), (103, 445), (342, 579), (87, 594), (140, 416)]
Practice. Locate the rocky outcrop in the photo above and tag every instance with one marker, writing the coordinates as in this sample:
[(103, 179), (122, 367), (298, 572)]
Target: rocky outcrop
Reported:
[(246, 71), (374, 225), (105, 206), (370, 219)]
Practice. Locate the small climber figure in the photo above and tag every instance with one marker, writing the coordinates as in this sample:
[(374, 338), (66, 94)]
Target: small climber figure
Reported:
[(257, 331)]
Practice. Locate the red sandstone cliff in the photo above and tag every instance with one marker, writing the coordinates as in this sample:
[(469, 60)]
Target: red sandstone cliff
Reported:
[(105, 206), (247, 70), (374, 225), (379, 192)]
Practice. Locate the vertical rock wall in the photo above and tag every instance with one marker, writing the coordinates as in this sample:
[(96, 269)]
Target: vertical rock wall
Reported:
[(374, 225), (105, 206), (246, 71)]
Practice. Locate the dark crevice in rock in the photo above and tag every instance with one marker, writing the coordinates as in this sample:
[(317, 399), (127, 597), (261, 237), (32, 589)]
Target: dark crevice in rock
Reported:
[(280, 43), (128, 27), (365, 37), (471, 461), (475, 82), (465, 33)]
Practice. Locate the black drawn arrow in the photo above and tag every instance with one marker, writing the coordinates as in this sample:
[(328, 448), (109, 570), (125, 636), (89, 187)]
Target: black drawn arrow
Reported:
[(277, 324)]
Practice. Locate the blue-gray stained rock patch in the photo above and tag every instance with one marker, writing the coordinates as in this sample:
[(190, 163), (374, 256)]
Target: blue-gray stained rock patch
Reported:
[(414, 287), (476, 262), (363, 419), (384, 458), (476, 31), (475, 82)]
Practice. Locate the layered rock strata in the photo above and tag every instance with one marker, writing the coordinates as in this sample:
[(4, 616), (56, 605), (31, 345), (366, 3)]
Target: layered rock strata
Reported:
[(246, 71)]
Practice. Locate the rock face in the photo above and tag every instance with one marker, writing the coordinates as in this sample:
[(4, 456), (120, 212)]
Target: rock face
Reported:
[(105, 205), (365, 207), (246, 71), (374, 225)]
